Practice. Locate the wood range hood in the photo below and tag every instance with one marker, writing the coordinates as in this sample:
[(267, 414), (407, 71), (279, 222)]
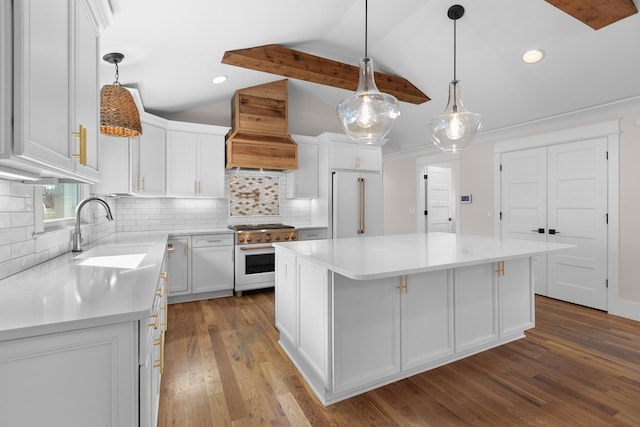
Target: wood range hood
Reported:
[(259, 138)]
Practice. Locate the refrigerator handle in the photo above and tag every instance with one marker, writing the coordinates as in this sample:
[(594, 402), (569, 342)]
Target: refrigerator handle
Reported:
[(362, 204)]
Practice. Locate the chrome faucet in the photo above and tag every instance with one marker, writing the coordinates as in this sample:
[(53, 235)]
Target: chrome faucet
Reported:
[(77, 236)]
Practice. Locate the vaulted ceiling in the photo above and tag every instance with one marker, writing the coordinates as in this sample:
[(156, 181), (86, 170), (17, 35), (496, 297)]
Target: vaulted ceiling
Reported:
[(174, 49)]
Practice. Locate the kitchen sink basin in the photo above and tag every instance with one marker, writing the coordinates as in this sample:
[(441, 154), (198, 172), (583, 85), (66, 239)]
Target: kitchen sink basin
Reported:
[(125, 256)]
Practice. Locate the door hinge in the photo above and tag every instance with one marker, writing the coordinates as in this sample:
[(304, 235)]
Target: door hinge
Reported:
[(500, 216), (425, 177), (606, 282), (501, 167), (606, 155), (426, 212), (607, 218)]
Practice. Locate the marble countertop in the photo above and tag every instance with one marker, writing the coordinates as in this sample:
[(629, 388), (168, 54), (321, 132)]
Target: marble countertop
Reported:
[(67, 293), (363, 258)]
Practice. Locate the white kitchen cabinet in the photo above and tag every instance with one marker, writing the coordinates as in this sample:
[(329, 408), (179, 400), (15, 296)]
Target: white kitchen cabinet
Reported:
[(426, 307), (312, 233), (134, 166), (303, 182), (148, 158), (286, 296), (356, 204), (369, 348), (195, 160), (476, 302), (87, 377), (516, 296), (345, 154), (55, 86), (201, 266), (178, 262), (6, 79), (212, 263)]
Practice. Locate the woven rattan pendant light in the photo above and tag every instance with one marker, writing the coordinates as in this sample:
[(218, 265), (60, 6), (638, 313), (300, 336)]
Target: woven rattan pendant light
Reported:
[(119, 115)]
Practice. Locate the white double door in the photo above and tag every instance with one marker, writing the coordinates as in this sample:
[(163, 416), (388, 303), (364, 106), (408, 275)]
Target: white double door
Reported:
[(559, 194)]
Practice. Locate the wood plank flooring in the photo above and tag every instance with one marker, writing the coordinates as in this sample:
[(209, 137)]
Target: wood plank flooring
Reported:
[(577, 367)]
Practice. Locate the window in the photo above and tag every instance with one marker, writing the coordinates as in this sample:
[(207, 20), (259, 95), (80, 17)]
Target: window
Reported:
[(59, 203)]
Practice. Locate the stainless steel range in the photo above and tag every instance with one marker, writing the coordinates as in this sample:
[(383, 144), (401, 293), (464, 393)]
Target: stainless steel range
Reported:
[(255, 256)]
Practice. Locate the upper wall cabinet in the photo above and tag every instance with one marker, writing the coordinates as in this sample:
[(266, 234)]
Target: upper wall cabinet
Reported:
[(134, 166), (345, 154), (55, 50), (195, 160)]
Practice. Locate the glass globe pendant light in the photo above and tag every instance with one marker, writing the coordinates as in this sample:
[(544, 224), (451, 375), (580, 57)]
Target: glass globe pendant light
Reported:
[(367, 115), (456, 128)]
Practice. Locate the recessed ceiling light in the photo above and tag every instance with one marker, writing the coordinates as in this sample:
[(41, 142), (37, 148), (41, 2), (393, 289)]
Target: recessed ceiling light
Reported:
[(219, 79), (533, 56)]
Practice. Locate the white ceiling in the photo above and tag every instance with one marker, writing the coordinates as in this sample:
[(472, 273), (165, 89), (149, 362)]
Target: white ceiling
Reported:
[(173, 50)]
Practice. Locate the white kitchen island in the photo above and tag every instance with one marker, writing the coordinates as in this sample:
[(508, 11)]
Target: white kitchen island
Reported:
[(358, 313)]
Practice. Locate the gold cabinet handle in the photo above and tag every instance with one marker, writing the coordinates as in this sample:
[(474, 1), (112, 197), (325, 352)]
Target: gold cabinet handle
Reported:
[(142, 184), (138, 183), (199, 189), (404, 286), (185, 247), (159, 363), (165, 317), (500, 269), (82, 136), (160, 292), (153, 321)]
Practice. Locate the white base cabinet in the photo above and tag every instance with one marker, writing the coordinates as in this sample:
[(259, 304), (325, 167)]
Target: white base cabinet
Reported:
[(201, 266), (349, 336)]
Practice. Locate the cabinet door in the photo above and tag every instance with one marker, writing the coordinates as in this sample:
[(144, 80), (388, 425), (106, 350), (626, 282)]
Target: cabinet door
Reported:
[(476, 309), (369, 158), (286, 296), (178, 265), (427, 317), (516, 297), (115, 158), (181, 163), (343, 155), (86, 105), (210, 165), (346, 204), (303, 182), (42, 37), (212, 269), (151, 155), (87, 377), (367, 345)]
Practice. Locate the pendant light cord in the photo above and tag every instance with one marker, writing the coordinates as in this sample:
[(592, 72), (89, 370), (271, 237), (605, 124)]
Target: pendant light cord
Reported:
[(116, 83), (454, 49), (365, 27)]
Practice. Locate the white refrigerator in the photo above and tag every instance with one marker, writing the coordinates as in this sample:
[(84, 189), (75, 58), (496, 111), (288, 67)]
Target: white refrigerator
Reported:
[(356, 204)]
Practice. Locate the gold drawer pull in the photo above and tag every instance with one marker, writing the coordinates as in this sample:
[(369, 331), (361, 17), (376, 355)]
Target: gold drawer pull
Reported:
[(159, 292), (159, 363), (153, 320)]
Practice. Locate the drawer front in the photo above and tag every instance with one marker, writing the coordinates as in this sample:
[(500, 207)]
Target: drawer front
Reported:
[(312, 234), (198, 241)]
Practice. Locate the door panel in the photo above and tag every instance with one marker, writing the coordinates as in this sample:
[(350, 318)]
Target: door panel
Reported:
[(438, 199), (524, 203), (577, 211)]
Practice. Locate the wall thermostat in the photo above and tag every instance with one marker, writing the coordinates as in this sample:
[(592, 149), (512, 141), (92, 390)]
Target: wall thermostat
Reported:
[(465, 198)]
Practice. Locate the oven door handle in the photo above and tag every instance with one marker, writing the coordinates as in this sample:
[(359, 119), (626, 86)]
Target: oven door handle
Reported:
[(255, 248)]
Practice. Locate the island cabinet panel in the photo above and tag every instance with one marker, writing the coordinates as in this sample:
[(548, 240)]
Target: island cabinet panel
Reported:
[(313, 318), (476, 302), (286, 307), (367, 344), (516, 297), (426, 307)]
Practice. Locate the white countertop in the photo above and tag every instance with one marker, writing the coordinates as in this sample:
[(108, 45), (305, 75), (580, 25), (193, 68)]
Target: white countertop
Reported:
[(62, 294), (363, 258)]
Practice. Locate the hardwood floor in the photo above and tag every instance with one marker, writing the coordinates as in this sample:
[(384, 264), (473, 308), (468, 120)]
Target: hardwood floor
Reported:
[(577, 367)]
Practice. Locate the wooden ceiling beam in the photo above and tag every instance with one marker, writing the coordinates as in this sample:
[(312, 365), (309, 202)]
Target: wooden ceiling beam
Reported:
[(294, 64), (596, 13)]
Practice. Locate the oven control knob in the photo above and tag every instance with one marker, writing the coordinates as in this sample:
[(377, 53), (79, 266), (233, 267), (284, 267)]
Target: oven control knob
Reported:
[(258, 239), (240, 239), (277, 238), (248, 239), (286, 237), (267, 239), (293, 237)]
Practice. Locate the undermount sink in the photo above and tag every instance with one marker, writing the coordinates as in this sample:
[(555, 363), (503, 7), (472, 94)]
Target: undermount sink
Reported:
[(126, 256)]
